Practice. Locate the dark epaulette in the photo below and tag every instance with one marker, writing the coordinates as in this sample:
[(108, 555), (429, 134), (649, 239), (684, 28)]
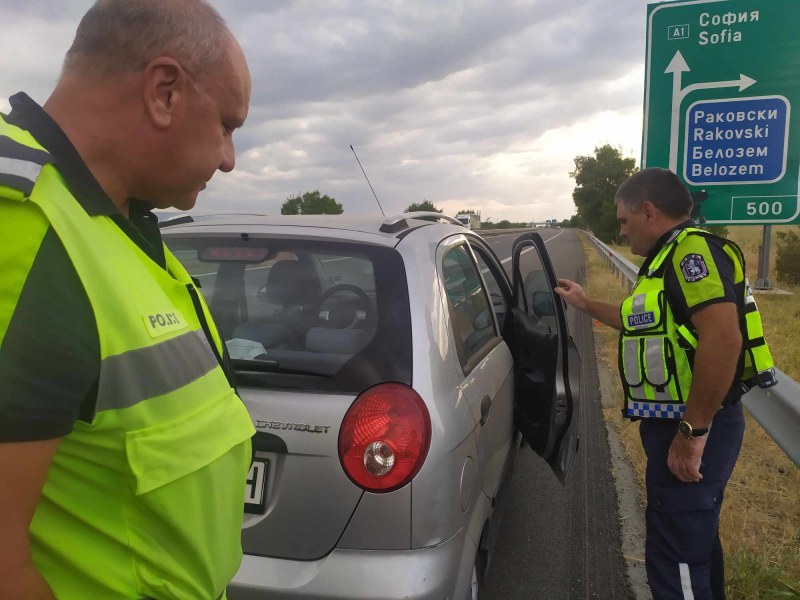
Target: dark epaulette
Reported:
[(20, 165)]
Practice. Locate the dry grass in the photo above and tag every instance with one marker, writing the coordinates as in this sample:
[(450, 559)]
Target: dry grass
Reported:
[(760, 524)]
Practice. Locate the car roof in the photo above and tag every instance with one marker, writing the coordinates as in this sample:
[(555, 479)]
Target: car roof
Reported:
[(371, 229)]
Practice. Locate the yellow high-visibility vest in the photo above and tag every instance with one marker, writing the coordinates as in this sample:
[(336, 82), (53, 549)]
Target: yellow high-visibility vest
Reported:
[(655, 352), (147, 499)]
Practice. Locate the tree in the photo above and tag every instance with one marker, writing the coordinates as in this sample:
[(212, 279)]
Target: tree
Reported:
[(311, 203), (597, 178), (425, 206), (576, 222)]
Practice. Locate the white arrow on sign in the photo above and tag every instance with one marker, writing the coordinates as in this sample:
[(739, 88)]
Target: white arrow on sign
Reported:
[(677, 66)]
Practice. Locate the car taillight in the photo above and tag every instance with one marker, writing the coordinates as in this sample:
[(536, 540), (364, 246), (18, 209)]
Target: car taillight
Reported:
[(385, 437)]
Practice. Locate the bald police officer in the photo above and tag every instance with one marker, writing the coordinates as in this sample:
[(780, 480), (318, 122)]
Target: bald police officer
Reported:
[(123, 447)]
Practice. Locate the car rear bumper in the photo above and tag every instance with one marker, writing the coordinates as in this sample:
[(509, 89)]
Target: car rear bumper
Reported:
[(425, 574)]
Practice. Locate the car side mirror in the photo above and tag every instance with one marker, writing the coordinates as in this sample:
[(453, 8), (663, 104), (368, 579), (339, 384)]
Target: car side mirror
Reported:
[(482, 320), (543, 304)]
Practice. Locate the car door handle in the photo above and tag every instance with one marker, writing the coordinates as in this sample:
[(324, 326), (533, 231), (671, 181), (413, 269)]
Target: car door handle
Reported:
[(486, 404)]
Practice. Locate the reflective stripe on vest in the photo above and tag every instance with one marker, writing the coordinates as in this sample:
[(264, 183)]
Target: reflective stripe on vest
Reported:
[(20, 165), (655, 361), (169, 365), (21, 174)]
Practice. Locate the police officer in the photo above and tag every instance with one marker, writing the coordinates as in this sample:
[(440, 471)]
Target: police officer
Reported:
[(690, 336), (123, 447)]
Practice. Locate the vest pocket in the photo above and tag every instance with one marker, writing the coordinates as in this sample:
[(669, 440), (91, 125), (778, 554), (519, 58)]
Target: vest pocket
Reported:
[(632, 373), (643, 313), (184, 517), (654, 359), (649, 369)]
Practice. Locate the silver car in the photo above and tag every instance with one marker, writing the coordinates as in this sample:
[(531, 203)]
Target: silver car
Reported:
[(392, 370)]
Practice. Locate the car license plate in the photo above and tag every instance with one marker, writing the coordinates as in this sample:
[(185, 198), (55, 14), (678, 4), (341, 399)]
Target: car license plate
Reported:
[(255, 491)]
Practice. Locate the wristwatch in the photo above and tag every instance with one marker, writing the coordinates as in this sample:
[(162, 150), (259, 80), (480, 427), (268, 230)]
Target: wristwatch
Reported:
[(686, 430)]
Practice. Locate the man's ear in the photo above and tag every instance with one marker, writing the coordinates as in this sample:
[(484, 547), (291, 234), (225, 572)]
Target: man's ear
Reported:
[(649, 210), (163, 85)]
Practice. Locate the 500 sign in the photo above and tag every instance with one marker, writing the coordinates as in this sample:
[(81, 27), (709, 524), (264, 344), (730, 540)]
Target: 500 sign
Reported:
[(757, 210)]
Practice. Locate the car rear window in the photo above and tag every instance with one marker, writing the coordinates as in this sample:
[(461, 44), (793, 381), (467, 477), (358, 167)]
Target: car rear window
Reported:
[(300, 314)]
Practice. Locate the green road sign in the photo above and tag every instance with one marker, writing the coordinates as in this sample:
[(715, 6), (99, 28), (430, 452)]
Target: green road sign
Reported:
[(721, 79)]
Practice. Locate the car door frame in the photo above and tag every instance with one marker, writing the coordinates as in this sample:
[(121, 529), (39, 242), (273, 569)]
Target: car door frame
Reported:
[(547, 407), (490, 398)]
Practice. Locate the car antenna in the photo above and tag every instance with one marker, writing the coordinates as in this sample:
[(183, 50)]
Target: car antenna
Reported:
[(367, 178)]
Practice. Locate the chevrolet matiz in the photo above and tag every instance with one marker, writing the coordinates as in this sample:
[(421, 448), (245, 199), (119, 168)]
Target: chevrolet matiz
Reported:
[(392, 370)]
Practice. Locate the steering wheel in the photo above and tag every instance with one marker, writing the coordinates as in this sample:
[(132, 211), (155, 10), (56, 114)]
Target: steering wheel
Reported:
[(346, 316)]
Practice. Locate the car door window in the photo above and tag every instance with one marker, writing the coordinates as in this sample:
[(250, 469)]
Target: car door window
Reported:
[(488, 270), (470, 313), (537, 297)]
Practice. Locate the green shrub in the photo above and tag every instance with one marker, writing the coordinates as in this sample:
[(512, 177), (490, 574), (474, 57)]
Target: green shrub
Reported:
[(750, 577), (719, 230), (787, 263)]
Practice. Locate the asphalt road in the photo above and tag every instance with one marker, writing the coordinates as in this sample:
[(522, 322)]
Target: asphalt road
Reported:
[(562, 542)]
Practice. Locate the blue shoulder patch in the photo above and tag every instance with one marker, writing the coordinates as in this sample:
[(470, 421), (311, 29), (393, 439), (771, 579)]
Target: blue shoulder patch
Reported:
[(694, 268)]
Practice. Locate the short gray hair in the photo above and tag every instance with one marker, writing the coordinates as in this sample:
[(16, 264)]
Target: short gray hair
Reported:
[(660, 187), (123, 36)]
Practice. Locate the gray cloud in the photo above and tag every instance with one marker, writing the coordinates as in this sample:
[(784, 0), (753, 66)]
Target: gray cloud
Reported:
[(467, 104)]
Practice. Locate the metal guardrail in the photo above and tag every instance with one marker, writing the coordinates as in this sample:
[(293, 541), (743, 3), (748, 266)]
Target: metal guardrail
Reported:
[(776, 409)]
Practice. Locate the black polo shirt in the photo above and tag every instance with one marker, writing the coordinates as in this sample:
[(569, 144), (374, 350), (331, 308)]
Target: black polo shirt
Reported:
[(697, 277), (50, 356)]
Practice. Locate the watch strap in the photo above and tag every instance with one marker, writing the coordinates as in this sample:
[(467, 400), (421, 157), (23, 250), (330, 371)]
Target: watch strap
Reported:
[(693, 432)]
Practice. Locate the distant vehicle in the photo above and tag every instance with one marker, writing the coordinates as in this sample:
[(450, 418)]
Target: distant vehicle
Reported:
[(391, 369), (469, 220)]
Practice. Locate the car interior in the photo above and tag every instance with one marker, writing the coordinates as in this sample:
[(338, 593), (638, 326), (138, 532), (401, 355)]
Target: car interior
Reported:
[(295, 310)]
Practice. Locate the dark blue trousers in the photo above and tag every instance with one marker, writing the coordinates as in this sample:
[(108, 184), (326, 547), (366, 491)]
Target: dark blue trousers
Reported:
[(683, 554)]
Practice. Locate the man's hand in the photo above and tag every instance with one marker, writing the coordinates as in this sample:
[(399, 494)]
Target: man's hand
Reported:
[(572, 293), (23, 470), (684, 457)]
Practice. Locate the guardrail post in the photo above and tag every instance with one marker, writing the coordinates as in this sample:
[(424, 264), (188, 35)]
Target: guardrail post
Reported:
[(763, 281)]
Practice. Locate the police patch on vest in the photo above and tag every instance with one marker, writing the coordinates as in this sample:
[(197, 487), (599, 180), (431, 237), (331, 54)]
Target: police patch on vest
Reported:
[(641, 319), (162, 323), (693, 268)]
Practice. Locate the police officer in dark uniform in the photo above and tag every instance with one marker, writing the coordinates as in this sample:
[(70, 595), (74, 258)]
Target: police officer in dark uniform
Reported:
[(688, 351)]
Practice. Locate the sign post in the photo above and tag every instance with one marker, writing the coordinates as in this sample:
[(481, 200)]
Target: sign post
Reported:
[(721, 79)]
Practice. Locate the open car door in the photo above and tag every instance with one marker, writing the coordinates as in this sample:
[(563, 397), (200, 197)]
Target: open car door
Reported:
[(546, 360)]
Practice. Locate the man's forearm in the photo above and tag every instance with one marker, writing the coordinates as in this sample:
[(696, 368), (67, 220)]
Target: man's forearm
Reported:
[(25, 583), (604, 312), (23, 470), (715, 363)]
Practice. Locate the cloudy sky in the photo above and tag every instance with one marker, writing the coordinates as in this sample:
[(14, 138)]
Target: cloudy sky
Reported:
[(468, 104)]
